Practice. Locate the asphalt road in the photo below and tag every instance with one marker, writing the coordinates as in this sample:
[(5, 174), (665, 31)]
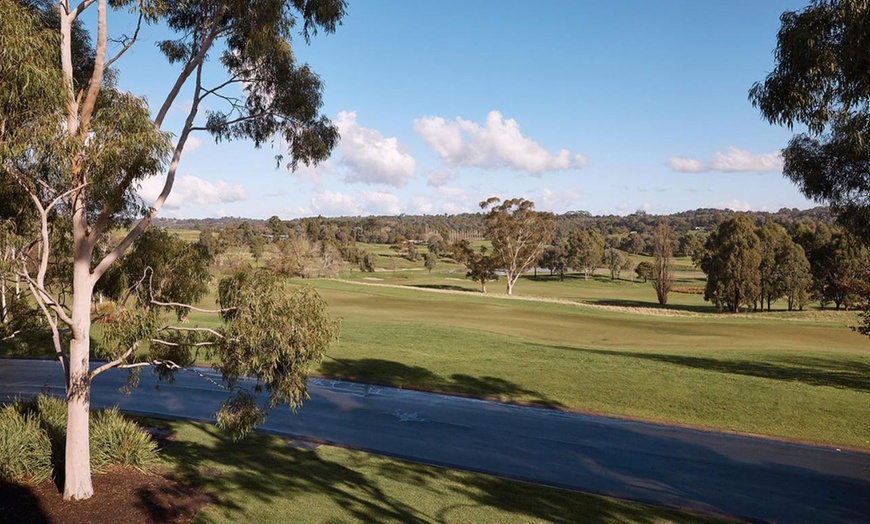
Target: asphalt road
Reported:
[(755, 479)]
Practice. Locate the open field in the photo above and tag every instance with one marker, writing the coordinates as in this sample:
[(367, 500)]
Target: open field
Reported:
[(807, 380), (265, 479), (602, 346)]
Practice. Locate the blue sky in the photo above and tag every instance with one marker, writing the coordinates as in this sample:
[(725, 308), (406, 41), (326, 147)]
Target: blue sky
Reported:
[(609, 107)]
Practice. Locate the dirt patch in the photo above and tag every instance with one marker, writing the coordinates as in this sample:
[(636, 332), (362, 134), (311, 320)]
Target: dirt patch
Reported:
[(122, 496)]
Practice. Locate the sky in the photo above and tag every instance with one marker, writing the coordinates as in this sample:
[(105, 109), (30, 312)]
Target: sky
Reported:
[(608, 107)]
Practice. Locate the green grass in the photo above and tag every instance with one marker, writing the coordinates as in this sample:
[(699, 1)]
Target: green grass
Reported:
[(602, 346), (807, 378), (263, 479)]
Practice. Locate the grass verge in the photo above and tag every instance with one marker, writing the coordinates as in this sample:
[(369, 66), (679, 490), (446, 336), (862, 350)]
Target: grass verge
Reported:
[(266, 479)]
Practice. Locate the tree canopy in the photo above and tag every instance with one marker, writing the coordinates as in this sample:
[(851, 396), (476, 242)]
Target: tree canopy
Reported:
[(518, 234), (76, 149), (820, 81)]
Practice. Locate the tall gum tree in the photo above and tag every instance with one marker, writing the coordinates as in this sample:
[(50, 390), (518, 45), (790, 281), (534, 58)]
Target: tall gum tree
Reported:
[(107, 143), (518, 234)]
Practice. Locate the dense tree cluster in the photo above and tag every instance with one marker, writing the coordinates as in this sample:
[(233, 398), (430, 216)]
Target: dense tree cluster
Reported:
[(754, 266)]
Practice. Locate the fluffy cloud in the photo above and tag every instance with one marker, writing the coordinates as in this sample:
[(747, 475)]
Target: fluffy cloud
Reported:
[(497, 143), (192, 144), (440, 177), (381, 203), (191, 190), (335, 203), (737, 205), (372, 158), (735, 160), (559, 201)]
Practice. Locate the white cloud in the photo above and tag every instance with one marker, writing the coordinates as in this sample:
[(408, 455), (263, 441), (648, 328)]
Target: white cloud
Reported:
[(422, 205), (334, 204), (191, 190), (559, 201), (192, 144), (497, 143), (439, 177), (735, 160), (372, 158), (684, 164), (381, 203), (737, 205)]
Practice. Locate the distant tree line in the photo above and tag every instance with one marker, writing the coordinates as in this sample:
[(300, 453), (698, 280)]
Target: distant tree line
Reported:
[(751, 259)]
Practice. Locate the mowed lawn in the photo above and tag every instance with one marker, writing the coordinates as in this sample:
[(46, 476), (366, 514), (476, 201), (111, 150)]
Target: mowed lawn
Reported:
[(801, 376), (265, 479)]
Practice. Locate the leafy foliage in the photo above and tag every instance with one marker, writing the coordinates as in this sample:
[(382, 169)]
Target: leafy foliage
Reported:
[(732, 265), (25, 451), (272, 335), (662, 275), (118, 441), (160, 267), (820, 80), (32, 436), (482, 267), (518, 234), (586, 250)]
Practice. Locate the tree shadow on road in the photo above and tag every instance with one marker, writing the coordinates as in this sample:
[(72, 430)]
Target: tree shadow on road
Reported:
[(396, 374), (348, 486)]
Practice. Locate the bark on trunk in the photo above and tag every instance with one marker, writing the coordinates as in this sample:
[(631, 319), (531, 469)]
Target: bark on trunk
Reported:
[(3, 298), (77, 459)]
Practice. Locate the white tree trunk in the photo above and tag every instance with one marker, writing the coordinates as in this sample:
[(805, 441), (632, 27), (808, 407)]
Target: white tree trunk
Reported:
[(3, 298), (77, 481)]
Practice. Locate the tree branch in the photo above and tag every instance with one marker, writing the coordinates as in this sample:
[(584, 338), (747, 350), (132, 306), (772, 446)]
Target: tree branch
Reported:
[(80, 9), (176, 344), (119, 249), (177, 304), (193, 64), (204, 330), (96, 80), (117, 361), (129, 43)]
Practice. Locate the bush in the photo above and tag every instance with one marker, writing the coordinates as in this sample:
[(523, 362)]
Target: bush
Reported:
[(41, 423), (25, 451), (118, 441)]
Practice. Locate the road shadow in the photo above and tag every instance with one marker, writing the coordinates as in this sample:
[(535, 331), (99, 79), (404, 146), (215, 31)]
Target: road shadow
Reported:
[(850, 374), (396, 374), (362, 488)]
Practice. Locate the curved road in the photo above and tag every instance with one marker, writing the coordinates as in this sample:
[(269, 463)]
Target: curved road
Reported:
[(755, 479)]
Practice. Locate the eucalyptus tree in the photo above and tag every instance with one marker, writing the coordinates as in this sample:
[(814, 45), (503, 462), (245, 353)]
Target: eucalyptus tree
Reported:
[(518, 234), (585, 250), (482, 265), (78, 148), (732, 265), (820, 81)]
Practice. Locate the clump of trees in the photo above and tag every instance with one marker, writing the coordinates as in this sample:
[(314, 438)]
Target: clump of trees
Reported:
[(755, 266), (482, 265)]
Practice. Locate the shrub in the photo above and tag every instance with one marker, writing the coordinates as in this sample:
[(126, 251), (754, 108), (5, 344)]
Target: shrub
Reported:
[(41, 422), (25, 451), (118, 441)]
